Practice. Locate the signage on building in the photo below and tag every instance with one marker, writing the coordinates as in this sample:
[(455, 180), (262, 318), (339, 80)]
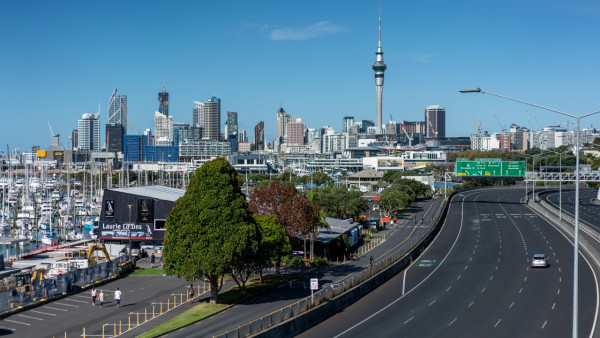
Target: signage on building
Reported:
[(145, 211), (109, 208), (133, 231)]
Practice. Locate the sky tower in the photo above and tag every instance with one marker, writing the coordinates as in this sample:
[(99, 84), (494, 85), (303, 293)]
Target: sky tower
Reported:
[(379, 68)]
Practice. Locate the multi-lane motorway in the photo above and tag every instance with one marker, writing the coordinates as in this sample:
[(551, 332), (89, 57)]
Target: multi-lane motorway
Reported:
[(475, 280), (588, 212)]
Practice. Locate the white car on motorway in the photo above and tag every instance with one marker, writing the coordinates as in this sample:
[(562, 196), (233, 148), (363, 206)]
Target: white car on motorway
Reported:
[(539, 261)]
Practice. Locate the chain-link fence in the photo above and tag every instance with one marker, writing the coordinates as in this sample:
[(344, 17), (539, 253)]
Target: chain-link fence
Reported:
[(53, 286)]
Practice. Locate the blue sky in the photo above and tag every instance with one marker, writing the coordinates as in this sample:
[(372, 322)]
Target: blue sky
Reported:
[(60, 59)]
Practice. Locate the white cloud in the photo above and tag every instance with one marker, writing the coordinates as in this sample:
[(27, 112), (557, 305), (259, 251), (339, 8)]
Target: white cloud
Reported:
[(313, 31)]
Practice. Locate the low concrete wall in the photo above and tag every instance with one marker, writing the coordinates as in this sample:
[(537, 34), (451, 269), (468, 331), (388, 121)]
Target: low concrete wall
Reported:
[(308, 319)]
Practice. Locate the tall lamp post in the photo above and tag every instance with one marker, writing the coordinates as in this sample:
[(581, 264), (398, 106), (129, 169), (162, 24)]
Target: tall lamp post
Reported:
[(576, 227)]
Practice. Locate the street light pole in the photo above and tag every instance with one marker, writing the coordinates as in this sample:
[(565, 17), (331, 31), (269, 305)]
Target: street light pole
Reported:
[(576, 226)]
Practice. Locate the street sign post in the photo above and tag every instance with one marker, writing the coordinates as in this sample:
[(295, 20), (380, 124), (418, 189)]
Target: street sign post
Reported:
[(314, 285), (490, 167)]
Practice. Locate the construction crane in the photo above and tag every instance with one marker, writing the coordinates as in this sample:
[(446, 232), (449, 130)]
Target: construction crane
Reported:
[(430, 124), (126, 117), (51, 130), (503, 128), (478, 127), (410, 139)]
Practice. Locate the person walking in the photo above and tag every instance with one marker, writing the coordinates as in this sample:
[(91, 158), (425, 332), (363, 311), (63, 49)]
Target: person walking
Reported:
[(101, 298), (93, 296), (191, 293), (118, 297), (152, 260)]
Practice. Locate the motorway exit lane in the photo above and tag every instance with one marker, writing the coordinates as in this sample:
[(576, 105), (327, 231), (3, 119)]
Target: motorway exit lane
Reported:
[(485, 286)]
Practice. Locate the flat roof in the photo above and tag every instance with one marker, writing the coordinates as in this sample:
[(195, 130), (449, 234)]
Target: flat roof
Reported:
[(336, 228), (153, 191)]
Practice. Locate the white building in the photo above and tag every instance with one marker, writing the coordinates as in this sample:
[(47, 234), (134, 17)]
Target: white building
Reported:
[(163, 129), (88, 129)]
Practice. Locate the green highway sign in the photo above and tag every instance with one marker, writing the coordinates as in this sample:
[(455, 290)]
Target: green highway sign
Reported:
[(490, 167)]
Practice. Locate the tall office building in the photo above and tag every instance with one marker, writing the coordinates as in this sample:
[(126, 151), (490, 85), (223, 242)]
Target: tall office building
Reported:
[(231, 126), (198, 114), (88, 131), (379, 68), (74, 139), (346, 123), (117, 110), (212, 119), (114, 137), (259, 136), (163, 129), (435, 118), (163, 102), (295, 131), (241, 136)]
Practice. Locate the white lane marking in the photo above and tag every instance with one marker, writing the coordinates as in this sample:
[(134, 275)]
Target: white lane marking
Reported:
[(558, 292), (553, 305), (67, 304), (435, 300), (409, 319), (24, 316), (483, 290), (14, 321), (498, 322), (81, 296), (472, 302), (452, 322), (543, 326), (559, 270), (75, 300), (466, 266), (426, 278), (457, 278), (520, 290), (44, 313), (511, 305), (470, 259), (7, 328), (560, 279), (53, 308), (404, 282), (448, 289), (492, 277), (525, 280)]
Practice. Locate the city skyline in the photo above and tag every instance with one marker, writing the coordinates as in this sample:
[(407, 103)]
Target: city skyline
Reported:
[(315, 64)]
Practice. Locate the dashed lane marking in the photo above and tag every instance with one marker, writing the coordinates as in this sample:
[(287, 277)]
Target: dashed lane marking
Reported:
[(53, 308), (409, 319), (435, 300), (14, 321), (67, 304), (29, 317), (452, 322), (553, 306), (472, 302), (75, 300), (511, 305), (498, 322), (448, 289), (544, 325), (44, 313), (7, 328)]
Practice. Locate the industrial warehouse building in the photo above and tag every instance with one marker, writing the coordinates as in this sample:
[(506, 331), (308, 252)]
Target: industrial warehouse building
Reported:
[(136, 214)]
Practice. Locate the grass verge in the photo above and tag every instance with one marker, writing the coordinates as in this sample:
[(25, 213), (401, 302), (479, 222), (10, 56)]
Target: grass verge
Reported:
[(147, 272), (226, 299)]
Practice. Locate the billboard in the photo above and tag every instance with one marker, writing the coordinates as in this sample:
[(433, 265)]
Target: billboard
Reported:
[(145, 211), (396, 163), (133, 231)]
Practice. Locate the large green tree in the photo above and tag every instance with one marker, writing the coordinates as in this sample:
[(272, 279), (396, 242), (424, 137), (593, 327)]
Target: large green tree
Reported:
[(339, 202), (210, 231), (275, 242)]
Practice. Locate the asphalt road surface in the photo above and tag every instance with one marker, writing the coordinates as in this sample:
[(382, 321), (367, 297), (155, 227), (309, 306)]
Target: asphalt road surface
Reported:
[(588, 212), (71, 314), (475, 280)]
